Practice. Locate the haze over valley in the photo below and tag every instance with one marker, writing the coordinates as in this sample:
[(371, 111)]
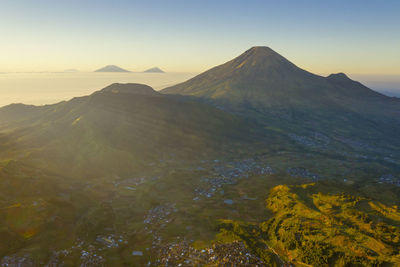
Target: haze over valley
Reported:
[(50, 88)]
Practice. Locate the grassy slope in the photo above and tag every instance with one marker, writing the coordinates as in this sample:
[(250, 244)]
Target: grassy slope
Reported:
[(120, 130), (314, 228)]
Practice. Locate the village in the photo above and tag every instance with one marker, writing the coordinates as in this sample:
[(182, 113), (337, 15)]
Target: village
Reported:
[(389, 179), (228, 174), (317, 140), (304, 173), (230, 254), (215, 175)]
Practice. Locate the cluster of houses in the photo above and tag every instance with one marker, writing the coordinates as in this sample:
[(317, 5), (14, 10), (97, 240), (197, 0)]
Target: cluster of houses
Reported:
[(89, 254), (130, 183), (317, 141), (230, 254), (228, 174), (57, 256), (16, 260), (90, 258), (389, 159), (210, 186), (304, 173), (356, 144), (160, 213), (157, 219), (111, 240), (389, 179), (241, 169), (27, 261)]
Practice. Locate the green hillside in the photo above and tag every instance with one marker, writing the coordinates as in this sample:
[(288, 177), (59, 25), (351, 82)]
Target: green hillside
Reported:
[(310, 228), (119, 128)]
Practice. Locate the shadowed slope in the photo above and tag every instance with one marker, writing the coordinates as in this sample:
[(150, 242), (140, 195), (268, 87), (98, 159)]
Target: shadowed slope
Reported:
[(261, 76), (262, 85)]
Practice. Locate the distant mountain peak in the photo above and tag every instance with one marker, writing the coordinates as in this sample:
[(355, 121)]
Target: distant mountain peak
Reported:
[(111, 68), (154, 70), (130, 88)]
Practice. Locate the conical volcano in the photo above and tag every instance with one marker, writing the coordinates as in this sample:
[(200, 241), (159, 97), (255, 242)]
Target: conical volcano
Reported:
[(261, 76)]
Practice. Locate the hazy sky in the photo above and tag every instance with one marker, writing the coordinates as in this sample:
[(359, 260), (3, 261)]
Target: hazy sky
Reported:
[(353, 36)]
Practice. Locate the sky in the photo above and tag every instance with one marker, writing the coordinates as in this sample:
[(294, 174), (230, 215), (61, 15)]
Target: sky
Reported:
[(352, 36)]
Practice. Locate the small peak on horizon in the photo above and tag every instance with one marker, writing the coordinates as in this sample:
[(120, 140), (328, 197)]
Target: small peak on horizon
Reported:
[(111, 68), (154, 70)]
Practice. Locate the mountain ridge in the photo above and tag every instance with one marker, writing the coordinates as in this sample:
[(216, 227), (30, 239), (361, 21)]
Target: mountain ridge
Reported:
[(121, 121), (130, 88)]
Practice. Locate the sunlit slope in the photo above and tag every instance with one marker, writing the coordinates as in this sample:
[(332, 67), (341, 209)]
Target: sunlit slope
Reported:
[(311, 228), (120, 127)]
